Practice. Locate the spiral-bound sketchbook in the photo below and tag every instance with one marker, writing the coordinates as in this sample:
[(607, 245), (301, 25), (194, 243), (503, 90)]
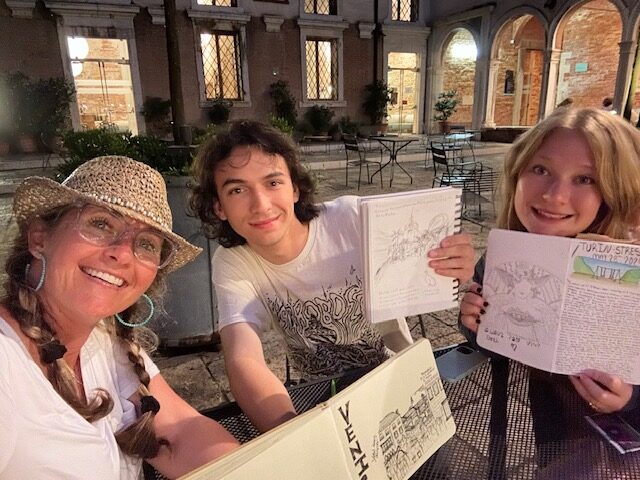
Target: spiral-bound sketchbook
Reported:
[(398, 230)]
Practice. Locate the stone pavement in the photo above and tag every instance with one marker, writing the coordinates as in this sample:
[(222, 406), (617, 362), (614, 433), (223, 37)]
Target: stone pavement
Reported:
[(198, 374)]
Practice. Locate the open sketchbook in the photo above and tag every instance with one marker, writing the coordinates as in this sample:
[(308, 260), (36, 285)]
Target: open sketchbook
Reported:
[(562, 304), (384, 426), (398, 229)]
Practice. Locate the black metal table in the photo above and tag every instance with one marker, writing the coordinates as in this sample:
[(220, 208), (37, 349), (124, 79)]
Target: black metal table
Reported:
[(393, 144), (513, 422)]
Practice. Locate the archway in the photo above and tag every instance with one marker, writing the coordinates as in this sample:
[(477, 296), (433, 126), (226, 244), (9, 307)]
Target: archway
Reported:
[(518, 58), (459, 71), (588, 39)]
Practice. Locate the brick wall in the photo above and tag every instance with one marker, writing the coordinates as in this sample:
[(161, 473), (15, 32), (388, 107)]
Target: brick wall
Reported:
[(581, 45), (459, 74)]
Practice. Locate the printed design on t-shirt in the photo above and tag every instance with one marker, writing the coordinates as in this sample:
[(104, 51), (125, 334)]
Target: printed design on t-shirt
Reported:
[(328, 334)]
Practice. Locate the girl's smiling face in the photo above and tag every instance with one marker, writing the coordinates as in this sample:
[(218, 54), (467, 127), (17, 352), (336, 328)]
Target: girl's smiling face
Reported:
[(557, 192)]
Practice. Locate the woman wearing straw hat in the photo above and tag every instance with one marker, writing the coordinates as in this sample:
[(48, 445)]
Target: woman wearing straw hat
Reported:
[(79, 397)]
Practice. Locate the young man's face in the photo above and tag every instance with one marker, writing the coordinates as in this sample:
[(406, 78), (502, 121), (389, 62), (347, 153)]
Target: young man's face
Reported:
[(256, 196)]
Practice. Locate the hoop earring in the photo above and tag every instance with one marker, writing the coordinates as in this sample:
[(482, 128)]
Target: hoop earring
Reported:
[(142, 323), (43, 272)]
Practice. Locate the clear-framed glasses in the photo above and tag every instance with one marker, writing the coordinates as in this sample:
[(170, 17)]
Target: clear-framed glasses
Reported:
[(104, 227)]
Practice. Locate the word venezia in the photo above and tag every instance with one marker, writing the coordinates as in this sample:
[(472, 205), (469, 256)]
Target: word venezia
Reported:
[(357, 455)]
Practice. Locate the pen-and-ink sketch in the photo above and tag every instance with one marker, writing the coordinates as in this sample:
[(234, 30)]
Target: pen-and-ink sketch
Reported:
[(527, 299), (402, 437), (411, 241), (603, 270)]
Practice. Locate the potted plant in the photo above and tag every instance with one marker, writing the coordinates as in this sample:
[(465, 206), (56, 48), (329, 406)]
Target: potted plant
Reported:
[(219, 111), (376, 99), (319, 117), (445, 106), (284, 103)]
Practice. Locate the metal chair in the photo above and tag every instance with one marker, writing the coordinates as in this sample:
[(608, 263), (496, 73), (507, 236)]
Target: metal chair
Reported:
[(454, 172), (353, 144)]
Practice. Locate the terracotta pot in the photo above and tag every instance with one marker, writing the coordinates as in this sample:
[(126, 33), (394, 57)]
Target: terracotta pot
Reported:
[(444, 127), (381, 128), (4, 148), (27, 144)]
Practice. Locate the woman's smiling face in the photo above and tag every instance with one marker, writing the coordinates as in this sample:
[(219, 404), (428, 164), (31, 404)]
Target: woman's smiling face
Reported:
[(557, 192)]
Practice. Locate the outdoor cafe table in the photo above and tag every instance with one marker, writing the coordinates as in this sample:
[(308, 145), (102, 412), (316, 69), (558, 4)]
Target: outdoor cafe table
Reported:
[(393, 144), (500, 410)]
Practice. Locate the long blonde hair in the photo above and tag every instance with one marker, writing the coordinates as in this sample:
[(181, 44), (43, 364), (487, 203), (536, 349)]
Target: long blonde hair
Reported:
[(615, 145), (138, 439)]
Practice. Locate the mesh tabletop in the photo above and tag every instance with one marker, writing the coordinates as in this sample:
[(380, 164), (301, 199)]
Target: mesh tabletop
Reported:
[(512, 422)]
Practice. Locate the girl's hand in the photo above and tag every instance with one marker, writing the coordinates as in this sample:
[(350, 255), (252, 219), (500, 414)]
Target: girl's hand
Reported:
[(454, 257), (472, 306), (603, 392)]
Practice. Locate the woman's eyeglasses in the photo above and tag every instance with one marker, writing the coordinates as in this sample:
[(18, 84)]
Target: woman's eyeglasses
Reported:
[(104, 227)]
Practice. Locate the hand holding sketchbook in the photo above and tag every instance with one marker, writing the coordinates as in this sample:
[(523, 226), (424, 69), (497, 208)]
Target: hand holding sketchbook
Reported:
[(561, 304), (384, 426), (398, 230)]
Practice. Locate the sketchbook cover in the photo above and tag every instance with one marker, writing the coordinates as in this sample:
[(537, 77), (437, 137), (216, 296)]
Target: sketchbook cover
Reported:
[(398, 230), (384, 426), (563, 304)]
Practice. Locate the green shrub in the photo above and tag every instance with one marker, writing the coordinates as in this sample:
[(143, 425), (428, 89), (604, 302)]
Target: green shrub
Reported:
[(88, 144), (346, 125), (319, 117), (377, 96), (284, 102), (219, 111), (281, 124)]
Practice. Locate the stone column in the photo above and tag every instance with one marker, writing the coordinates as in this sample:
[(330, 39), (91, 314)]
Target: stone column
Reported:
[(492, 86), (623, 77), (549, 82)]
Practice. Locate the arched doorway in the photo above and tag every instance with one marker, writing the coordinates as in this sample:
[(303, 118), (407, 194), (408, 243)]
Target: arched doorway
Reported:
[(458, 72), (518, 58), (588, 39)]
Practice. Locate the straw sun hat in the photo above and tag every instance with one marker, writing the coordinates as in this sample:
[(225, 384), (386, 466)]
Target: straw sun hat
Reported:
[(120, 183)]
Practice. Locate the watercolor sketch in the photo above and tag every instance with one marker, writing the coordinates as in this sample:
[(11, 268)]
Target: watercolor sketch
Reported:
[(592, 268)]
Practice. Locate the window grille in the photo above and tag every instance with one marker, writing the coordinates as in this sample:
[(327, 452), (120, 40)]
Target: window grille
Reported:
[(404, 10), (321, 7), (322, 69), (221, 65), (218, 3)]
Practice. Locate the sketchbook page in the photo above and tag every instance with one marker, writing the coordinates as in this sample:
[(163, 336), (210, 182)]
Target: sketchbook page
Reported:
[(599, 327), (393, 419), (523, 284), (304, 447), (563, 305), (397, 233)]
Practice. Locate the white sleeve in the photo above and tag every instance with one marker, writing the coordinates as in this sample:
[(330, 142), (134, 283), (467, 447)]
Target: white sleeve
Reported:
[(7, 407), (238, 300), (126, 378)]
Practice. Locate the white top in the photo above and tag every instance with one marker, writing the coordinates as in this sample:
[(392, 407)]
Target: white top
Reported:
[(315, 300), (42, 436)]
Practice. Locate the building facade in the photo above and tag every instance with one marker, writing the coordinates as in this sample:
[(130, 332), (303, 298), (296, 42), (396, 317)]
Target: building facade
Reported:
[(510, 62)]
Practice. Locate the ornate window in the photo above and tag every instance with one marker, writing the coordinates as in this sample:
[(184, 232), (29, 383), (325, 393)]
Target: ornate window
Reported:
[(321, 7), (404, 10), (221, 65), (322, 69)]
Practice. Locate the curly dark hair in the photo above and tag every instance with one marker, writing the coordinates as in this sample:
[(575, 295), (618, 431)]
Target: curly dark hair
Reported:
[(216, 150)]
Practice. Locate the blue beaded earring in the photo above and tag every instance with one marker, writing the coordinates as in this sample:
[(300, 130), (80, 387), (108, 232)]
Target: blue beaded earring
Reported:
[(43, 272), (145, 321)]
